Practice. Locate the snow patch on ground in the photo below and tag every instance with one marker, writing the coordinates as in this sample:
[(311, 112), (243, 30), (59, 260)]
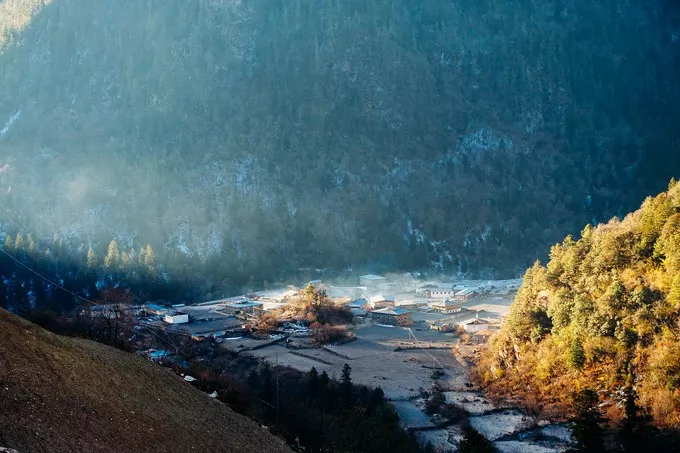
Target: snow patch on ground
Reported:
[(515, 446), (470, 401), (442, 439), (411, 416), (500, 424), (560, 432)]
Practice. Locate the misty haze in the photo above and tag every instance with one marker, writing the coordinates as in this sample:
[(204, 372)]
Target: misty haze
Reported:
[(373, 173)]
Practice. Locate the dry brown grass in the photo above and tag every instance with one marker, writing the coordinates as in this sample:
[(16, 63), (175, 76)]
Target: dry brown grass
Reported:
[(62, 394)]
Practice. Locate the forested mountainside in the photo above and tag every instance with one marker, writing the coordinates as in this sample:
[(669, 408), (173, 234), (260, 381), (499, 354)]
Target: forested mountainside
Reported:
[(602, 314), (245, 139)]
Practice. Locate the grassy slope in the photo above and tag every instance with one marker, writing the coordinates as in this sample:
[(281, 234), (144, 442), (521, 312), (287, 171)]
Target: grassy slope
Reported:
[(63, 394)]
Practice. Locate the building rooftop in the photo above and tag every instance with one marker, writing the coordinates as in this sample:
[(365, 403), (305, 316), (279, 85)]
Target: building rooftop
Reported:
[(205, 313), (244, 304), (474, 322), (445, 303), (358, 303), (381, 298), (372, 277), (156, 307), (391, 311), (466, 291), (198, 328)]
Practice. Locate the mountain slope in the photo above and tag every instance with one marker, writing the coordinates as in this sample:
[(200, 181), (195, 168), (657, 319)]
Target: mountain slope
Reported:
[(285, 134), (62, 394), (603, 313)]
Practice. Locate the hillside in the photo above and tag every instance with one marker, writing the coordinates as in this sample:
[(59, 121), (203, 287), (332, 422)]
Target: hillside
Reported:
[(248, 139), (62, 394), (603, 314)]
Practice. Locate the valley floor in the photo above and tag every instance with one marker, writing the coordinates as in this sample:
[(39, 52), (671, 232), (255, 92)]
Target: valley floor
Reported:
[(401, 361)]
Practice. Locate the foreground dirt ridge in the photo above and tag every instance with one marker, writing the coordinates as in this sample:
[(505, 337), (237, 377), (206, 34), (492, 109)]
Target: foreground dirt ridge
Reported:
[(62, 394)]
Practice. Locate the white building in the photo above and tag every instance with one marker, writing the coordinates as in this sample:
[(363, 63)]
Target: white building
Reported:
[(475, 324), (466, 294), (441, 293), (446, 306), (176, 318), (436, 290), (371, 280)]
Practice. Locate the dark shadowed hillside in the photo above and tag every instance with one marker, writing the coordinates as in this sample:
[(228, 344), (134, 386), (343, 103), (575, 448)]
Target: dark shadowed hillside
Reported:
[(246, 139), (62, 394)]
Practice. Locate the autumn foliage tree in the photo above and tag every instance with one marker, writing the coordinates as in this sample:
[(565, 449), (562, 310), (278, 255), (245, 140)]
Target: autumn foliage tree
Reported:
[(603, 312)]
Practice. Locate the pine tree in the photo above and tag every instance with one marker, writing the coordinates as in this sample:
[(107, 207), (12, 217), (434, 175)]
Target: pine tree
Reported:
[(474, 442), (636, 432), (112, 257), (19, 243), (346, 382), (577, 356), (125, 261), (588, 421), (31, 246), (377, 397), (149, 259), (141, 256), (346, 378), (324, 380), (313, 382), (674, 294), (91, 259)]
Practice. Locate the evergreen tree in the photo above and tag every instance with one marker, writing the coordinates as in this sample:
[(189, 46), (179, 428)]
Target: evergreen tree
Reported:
[(141, 256), (19, 243), (125, 262), (324, 380), (346, 378), (587, 421), (91, 259), (31, 245), (310, 293), (346, 382), (112, 256), (377, 397), (577, 356), (313, 382), (674, 294), (474, 442), (149, 259), (636, 432)]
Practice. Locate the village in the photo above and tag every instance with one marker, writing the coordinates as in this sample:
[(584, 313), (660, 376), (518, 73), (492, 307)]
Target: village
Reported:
[(476, 307), (412, 338)]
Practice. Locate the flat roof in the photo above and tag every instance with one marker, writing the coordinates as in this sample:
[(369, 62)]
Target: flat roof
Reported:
[(244, 304), (372, 277), (391, 311), (445, 303), (473, 321), (156, 307), (209, 326)]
